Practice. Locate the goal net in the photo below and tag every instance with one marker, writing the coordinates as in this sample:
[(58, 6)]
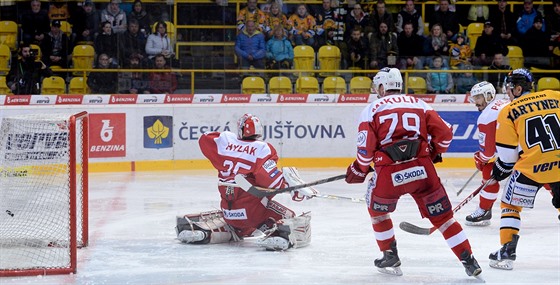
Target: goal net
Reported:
[(43, 193)]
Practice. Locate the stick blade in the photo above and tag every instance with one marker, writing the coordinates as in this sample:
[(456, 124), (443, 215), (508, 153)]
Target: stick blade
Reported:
[(413, 229)]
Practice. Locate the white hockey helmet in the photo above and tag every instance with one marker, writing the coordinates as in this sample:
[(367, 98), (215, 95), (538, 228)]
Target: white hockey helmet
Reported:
[(249, 127), (484, 88), (390, 78)]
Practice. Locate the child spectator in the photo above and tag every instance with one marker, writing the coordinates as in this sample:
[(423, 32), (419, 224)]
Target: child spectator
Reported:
[(279, 50), (460, 53), (439, 82)]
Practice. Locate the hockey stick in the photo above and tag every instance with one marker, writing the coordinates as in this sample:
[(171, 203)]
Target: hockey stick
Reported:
[(468, 181), (242, 182), (408, 227)]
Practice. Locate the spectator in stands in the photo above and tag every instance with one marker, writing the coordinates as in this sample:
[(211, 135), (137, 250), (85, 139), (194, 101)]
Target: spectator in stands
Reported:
[(103, 82), (383, 48), (435, 44), (409, 15), (505, 22), (358, 18), (251, 13), (34, 24), (115, 15), (132, 42), (460, 53), (250, 47), (275, 18), (410, 55), (487, 44), (159, 43), (526, 18), (133, 82), (142, 17), (447, 19), (326, 19), (58, 10), (162, 82), (439, 82), (358, 49), (56, 47), (85, 24), (536, 45), (26, 74), (303, 27), (106, 43), (382, 16), (465, 81), (279, 50), (498, 64), (553, 21), (478, 13)]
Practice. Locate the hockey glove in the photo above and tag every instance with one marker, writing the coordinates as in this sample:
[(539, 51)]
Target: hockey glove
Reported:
[(501, 170), (556, 197), (355, 175), (479, 161), (436, 157), (291, 175)]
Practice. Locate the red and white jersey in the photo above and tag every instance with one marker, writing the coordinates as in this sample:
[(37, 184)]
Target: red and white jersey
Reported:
[(486, 124), (396, 117), (231, 156)]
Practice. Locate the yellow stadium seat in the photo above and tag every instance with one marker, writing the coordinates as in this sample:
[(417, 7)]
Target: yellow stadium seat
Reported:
[(548, 83), (307, 85), (417, 85), (474, 30), (360, 85), (66, 28), (334, 85), (78, 85), (253, 85), (9, 34), (5, 57), (82, 58), (304, 58), (170, 30), (4, 90), (53, 85), (329, 59), (515, 56), (280, 85)]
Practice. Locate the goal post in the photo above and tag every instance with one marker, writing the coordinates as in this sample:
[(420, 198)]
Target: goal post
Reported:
[(43, 193)]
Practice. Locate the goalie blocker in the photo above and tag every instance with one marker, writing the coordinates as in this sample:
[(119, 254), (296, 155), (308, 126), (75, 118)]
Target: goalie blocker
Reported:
[(210, 227)]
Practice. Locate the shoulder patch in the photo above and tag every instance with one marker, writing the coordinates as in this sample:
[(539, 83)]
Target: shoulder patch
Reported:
[(269, 165)]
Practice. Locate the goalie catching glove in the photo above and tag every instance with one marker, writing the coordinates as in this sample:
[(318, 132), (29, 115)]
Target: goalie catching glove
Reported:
[(501, 170), (355, 175), (292, 177)]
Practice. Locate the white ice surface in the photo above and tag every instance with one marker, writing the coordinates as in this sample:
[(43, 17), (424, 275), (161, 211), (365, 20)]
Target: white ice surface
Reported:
[(132, 238)]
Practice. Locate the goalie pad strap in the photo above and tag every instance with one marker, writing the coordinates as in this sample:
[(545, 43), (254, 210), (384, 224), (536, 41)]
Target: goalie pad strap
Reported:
[(402, 150), (211, 222), (297, 230)]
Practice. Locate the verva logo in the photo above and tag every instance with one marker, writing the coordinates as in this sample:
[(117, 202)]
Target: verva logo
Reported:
[(107, 135), (18, 100)]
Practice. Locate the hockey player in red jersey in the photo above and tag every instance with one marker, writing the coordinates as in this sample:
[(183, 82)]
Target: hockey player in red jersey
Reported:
[(243, 214), (483, 96), (403, 136)]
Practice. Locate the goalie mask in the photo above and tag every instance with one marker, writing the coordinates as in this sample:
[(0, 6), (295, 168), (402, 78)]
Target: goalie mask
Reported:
[(390, 78), (484, 89), (249, 127)]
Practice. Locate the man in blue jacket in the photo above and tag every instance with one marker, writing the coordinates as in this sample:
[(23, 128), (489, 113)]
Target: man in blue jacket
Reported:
[(250, 47)]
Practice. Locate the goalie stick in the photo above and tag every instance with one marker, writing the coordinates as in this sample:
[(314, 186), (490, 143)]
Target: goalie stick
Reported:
[(242, 182), (468, 181), (414, 229)]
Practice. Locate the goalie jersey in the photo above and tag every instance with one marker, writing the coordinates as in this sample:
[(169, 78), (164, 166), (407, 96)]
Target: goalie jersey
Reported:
[(528, 134)]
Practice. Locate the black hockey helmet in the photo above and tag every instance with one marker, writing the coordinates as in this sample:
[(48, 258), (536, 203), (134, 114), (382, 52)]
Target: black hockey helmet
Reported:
[(520, 77)]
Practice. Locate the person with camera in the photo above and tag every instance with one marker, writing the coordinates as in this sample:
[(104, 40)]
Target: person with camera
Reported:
[(27, 73)]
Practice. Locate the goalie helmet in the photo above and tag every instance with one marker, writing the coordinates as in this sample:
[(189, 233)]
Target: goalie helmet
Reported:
[(484, 88), (390, 78), (520, 77), (249, 127)]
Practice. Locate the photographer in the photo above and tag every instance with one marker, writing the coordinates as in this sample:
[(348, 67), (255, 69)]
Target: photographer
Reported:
[(26, 74)]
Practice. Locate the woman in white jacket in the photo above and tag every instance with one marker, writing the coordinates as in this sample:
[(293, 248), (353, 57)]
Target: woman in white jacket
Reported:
[(159, 42)]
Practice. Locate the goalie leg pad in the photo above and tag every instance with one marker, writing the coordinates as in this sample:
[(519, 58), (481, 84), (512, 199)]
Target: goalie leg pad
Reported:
[(294, 232), (211, 223)]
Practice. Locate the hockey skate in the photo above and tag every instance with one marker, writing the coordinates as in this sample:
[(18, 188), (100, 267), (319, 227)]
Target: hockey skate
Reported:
[(471, 265), (503, 258), (479, 217), (390, 262), (190, 236), (274, 243)]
